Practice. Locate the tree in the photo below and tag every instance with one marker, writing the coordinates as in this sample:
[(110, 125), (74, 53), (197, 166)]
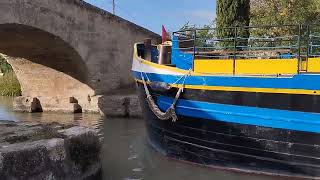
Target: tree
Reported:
[(204, 34), (280, 12), (233, 13), (4, 66), (285, 12)]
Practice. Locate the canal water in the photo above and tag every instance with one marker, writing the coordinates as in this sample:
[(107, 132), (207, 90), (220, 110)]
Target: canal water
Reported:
[(126, 154)]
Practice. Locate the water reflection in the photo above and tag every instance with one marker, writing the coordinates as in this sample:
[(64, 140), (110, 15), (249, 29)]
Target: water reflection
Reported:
[(6, 109), (126, 153), (87, 120), (127, 156)]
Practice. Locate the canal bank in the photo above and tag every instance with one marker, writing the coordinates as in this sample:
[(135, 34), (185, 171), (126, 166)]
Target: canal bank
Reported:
[(126, 154)]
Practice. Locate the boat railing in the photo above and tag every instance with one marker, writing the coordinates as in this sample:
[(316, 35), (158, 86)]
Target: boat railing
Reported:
[(299, 42)]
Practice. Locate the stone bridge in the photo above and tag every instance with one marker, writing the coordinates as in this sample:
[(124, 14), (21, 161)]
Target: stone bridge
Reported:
[(67, 54)]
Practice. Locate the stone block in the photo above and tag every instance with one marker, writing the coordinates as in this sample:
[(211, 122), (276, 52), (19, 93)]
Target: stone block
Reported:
[(113, 105), (1, 163), (78, 142), (26, 104), (23, 159), (120, 105), (71, 153), (56, 150), (76, 131), (134, 108)]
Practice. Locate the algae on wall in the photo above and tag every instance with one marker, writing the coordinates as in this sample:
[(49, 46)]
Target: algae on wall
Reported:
[(9, 84)]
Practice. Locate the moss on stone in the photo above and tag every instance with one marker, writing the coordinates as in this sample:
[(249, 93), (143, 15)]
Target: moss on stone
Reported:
[(12, 133), (54, 151), (79, 148)]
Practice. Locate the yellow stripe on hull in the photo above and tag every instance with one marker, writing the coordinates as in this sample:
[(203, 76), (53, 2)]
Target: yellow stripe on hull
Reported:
[(247, 89)]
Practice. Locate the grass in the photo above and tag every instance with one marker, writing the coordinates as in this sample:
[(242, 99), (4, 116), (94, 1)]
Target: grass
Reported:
[(9, 85)]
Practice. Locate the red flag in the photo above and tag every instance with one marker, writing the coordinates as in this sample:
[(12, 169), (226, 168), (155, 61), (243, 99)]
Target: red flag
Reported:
[(164, 34)]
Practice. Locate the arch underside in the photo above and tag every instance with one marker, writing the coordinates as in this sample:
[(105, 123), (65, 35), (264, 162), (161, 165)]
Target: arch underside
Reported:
[(47, 68)]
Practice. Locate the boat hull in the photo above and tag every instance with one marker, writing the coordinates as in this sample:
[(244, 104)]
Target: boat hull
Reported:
[(234, 146)]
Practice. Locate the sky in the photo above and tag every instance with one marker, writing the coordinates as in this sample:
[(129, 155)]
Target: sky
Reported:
[(152, 14)]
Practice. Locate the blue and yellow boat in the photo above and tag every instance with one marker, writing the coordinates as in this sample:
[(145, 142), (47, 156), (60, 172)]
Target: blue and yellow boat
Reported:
[(248, 104)]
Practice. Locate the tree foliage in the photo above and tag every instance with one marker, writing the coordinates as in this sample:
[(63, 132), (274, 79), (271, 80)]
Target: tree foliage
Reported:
[(203, 34), (9, 85), (280, 12), (233, 13), (4, 66), (284, 12)]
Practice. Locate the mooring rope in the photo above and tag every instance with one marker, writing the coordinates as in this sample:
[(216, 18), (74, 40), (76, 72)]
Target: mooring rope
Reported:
[(171, 112)]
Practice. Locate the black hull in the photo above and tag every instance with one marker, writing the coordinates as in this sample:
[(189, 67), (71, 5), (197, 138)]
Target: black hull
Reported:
[(235, 146)]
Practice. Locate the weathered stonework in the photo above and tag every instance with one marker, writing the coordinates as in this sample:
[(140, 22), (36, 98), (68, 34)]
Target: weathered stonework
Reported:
[(27, 104), (121, 105), (68, 48), (134, 108), (31, 151)]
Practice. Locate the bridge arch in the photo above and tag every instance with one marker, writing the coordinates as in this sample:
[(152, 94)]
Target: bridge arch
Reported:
[(47, 67), (41, 47), (67, 48)]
